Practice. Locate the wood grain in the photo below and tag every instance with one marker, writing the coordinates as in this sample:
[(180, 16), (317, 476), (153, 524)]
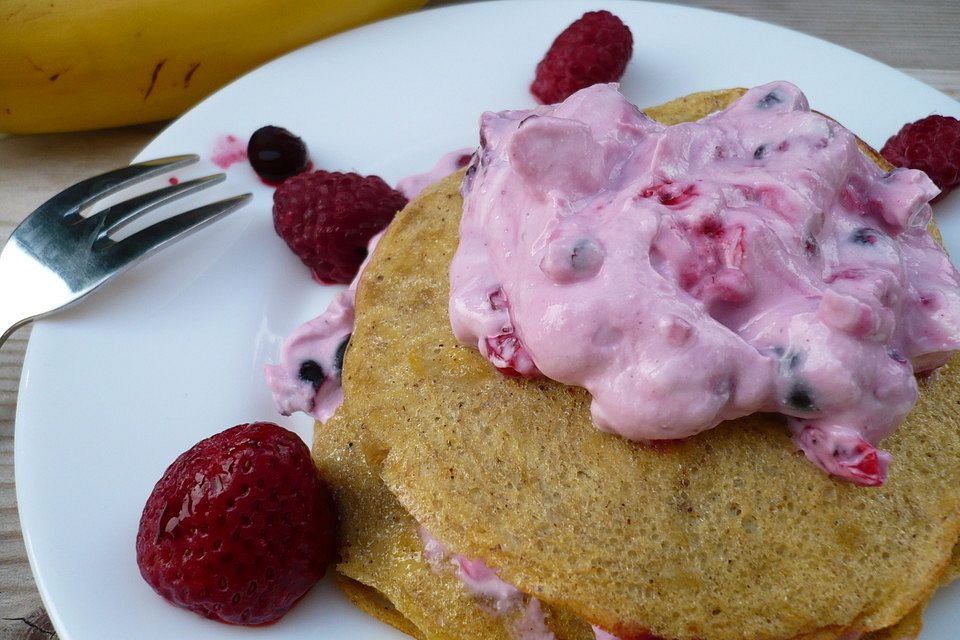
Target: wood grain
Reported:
[(917, 37)]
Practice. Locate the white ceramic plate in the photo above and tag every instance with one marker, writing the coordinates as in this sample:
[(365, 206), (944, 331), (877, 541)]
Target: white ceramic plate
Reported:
[(172, 352)]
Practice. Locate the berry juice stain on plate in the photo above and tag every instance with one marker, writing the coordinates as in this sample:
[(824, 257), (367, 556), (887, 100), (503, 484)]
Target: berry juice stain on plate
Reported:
[(228, 150)]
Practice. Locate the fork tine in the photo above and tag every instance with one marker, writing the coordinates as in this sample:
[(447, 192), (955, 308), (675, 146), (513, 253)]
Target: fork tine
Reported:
[(121, 214), (68, 202), (166, 232)]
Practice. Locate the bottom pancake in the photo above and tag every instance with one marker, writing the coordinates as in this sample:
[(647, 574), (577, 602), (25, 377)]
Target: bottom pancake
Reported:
[(953, 569), (374, 603), (381, 550)]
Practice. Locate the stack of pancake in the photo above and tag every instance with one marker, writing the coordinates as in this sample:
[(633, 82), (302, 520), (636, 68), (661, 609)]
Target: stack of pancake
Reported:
[(729, 535)]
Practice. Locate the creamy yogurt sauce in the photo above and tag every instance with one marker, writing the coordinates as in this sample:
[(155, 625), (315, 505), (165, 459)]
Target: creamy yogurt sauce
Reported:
[(485, 583), (753, 261), (411, 186), (307, 378)]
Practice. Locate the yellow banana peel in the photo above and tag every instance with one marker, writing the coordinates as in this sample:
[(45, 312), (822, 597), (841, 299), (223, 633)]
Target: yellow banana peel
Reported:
[(68, 65)]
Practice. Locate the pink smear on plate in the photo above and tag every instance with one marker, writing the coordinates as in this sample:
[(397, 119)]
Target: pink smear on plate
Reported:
[(228, 150)]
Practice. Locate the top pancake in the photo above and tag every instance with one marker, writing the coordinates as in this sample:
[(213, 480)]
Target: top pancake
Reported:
[(728, 535)]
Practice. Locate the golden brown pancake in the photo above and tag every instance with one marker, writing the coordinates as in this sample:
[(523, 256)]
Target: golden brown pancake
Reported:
[(907, 629), (953, 569), (371, 601), (731, 534), (368, 523)]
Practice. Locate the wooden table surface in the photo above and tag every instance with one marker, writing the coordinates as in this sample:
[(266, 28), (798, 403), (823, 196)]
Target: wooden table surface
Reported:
[(918, 37)]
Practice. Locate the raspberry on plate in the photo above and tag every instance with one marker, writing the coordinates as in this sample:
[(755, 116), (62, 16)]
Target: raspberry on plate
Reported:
[(595, 48), (327, 219), (931, 144), (239, 527)]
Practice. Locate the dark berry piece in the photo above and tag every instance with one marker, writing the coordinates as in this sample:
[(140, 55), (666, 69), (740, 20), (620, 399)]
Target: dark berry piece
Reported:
[(800, 397), (595, 48), (586, 256), (312, 372), (769, 100), (896, 356), (276, 154), (341, 350), (865, 236), (567, 261), (760, 152), (789, 361), (327, 219), (472, 168), (470, 174), (932, 145)]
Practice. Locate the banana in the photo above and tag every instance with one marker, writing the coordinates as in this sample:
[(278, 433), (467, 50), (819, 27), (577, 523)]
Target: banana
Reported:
[(68, 65)]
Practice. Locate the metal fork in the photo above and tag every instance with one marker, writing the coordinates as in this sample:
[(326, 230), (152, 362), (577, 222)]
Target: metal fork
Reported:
[(57, 256)]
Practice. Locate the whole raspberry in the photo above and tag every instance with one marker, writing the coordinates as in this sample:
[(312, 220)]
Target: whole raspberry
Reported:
[(239, 527), (327, 218), (931, 144), (595, 48)]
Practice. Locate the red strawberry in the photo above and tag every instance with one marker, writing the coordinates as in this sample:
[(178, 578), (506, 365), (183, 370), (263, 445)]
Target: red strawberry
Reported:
[(931, 144), (239, 527), (327, 218), (595, 48)]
